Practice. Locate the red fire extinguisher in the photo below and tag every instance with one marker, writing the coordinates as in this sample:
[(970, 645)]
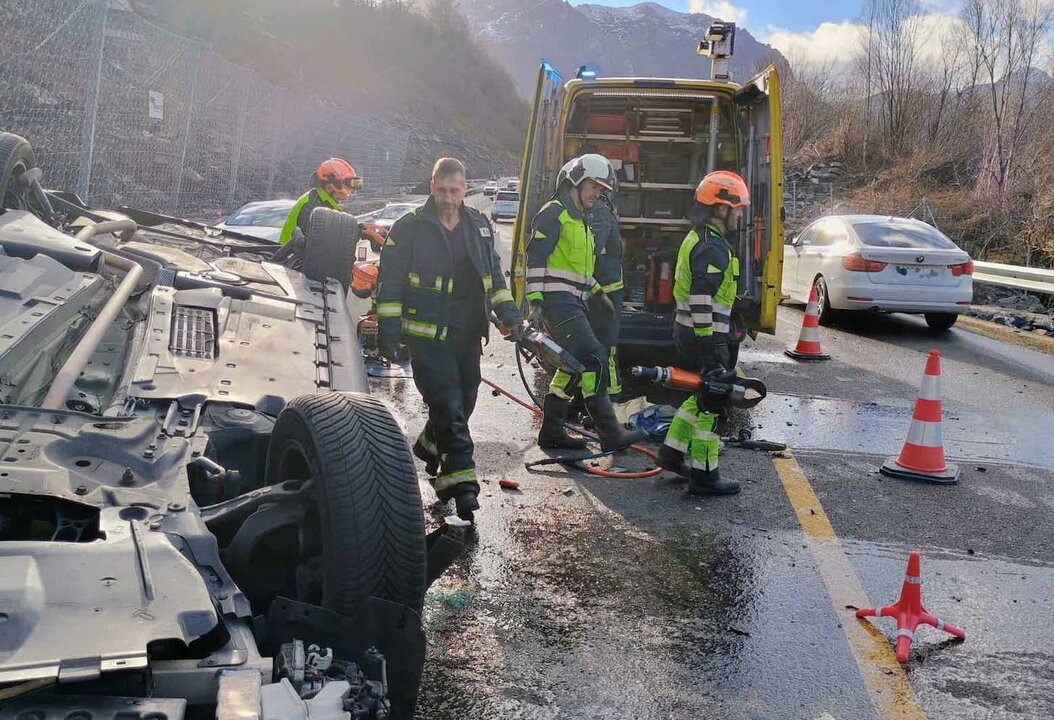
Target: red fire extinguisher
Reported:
[(666, 282)]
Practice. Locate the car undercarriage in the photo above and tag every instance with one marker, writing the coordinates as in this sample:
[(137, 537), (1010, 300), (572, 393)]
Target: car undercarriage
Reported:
[(203, 513)]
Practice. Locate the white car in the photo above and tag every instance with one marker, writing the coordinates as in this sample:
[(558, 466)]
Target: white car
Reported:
[(506, 205), (263, 219), (490, 190), (390, 213), (879, 264)]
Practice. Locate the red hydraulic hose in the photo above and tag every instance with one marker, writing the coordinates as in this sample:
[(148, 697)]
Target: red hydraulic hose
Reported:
[(591, 470)]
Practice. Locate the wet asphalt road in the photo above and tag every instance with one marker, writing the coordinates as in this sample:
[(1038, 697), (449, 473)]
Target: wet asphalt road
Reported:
[(584, 597)]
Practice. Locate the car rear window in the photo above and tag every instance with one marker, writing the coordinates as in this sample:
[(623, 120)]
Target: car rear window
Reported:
[(510, 196), (902, 235)]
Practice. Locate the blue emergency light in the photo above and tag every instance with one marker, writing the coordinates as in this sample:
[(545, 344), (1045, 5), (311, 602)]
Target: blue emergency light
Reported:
[(587, 72)]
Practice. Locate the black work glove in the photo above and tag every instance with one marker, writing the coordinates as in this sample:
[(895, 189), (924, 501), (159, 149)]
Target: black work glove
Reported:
[(515, 332), (715, 354), (601, 308)]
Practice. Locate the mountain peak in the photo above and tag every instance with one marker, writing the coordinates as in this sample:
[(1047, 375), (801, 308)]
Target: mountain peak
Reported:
[(646, 39)]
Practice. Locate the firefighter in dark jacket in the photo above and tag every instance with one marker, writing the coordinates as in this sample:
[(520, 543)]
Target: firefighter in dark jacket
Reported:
[(706, 286), (561, 283), (440, 278), (603, 218), (335, 182)]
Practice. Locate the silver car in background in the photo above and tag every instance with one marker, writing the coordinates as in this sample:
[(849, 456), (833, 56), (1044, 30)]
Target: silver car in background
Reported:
[(506, 205), (879, 264), (262, 219)]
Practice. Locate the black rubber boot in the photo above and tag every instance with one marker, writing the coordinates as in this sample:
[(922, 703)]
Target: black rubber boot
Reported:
[(613, 436), (466, 500), (672, 460), (703, 482), (553, 435)]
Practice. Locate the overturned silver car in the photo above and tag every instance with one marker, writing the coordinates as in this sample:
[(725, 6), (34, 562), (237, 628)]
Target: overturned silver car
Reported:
[(203, 513)]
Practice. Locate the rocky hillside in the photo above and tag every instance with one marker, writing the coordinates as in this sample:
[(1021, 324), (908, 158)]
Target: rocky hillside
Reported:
[(646, 39), (413, 64)]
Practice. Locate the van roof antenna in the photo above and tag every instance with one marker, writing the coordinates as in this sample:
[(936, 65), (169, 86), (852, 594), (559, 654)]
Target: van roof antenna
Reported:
[(718, 45)]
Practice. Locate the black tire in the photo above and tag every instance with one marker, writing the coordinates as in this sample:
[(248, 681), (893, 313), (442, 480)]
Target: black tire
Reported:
[(330, 250), (369, 504), (941, 322), (16, 156), (827, 314)]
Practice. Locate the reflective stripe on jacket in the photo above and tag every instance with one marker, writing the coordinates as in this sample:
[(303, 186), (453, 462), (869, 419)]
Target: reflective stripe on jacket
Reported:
[(707, 281), (416, 278), (561, 254)]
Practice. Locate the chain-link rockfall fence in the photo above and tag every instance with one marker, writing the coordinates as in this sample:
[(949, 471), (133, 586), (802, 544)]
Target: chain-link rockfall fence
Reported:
[(122, 111)]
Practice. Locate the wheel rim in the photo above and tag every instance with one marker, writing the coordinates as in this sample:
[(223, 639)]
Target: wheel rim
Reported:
[(821, 298)]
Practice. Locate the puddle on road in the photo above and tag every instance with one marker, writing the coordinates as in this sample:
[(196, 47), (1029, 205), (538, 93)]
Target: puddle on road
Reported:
[(578, 615), (568, 613), (823, 423)]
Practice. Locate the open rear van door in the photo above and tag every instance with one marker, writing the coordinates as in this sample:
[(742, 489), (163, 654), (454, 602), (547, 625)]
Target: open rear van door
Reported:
[(538, 167), (761, 250)]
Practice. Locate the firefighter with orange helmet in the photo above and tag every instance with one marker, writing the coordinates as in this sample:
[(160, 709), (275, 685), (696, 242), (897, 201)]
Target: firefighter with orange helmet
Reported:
[(706, 285), (335, 181)]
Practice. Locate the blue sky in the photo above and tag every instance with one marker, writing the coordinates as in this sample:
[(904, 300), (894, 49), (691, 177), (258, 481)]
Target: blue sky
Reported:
[(793, 15), (811, 31)]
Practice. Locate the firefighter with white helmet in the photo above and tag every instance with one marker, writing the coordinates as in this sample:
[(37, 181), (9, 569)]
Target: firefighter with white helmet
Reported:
[(561, 282)]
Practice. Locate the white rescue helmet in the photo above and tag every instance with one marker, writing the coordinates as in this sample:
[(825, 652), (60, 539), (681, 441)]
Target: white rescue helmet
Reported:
[(588, 167)]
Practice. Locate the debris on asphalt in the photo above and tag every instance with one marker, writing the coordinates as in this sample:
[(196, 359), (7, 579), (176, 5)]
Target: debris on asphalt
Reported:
[(451, 599), (739, 629), (568, 491), (508, 484)]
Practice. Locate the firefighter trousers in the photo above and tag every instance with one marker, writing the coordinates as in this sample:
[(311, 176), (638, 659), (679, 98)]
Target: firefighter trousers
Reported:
[(447, 376), (607, 332), (568, 325)]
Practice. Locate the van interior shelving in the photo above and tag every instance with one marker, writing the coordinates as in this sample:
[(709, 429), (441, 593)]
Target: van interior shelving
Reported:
[(661, 145)]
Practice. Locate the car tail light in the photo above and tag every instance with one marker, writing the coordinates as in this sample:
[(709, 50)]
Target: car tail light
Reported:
[(856, 263), (965, 268)]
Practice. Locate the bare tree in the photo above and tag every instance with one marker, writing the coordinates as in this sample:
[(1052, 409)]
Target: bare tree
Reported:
[(1007, 37), (895, 43), (869, 66), (807, 94)]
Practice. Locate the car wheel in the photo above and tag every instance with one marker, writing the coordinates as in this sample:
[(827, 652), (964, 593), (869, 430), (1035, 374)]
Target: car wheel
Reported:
[(369, 510), (16, 156), (826, 314), (941, 322), (330, 250)]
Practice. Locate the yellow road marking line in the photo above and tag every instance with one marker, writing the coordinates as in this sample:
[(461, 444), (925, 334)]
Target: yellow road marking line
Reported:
[(886, 681)]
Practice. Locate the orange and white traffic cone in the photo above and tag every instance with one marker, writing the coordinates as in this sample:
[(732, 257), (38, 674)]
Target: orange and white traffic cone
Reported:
[(922, 457), (808, 347), (909, 611)]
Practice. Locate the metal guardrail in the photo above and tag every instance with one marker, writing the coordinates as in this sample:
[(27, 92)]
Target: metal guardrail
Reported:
[(1014, 276)]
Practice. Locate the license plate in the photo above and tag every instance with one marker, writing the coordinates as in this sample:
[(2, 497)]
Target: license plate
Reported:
[(916, 271)]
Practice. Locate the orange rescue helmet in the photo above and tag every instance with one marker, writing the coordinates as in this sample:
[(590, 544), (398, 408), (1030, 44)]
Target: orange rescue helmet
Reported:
[(338, 172), (723, 187)]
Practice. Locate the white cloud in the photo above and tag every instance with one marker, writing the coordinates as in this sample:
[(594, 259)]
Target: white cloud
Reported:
[(837, 44), (830, 43), (719, 9)]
